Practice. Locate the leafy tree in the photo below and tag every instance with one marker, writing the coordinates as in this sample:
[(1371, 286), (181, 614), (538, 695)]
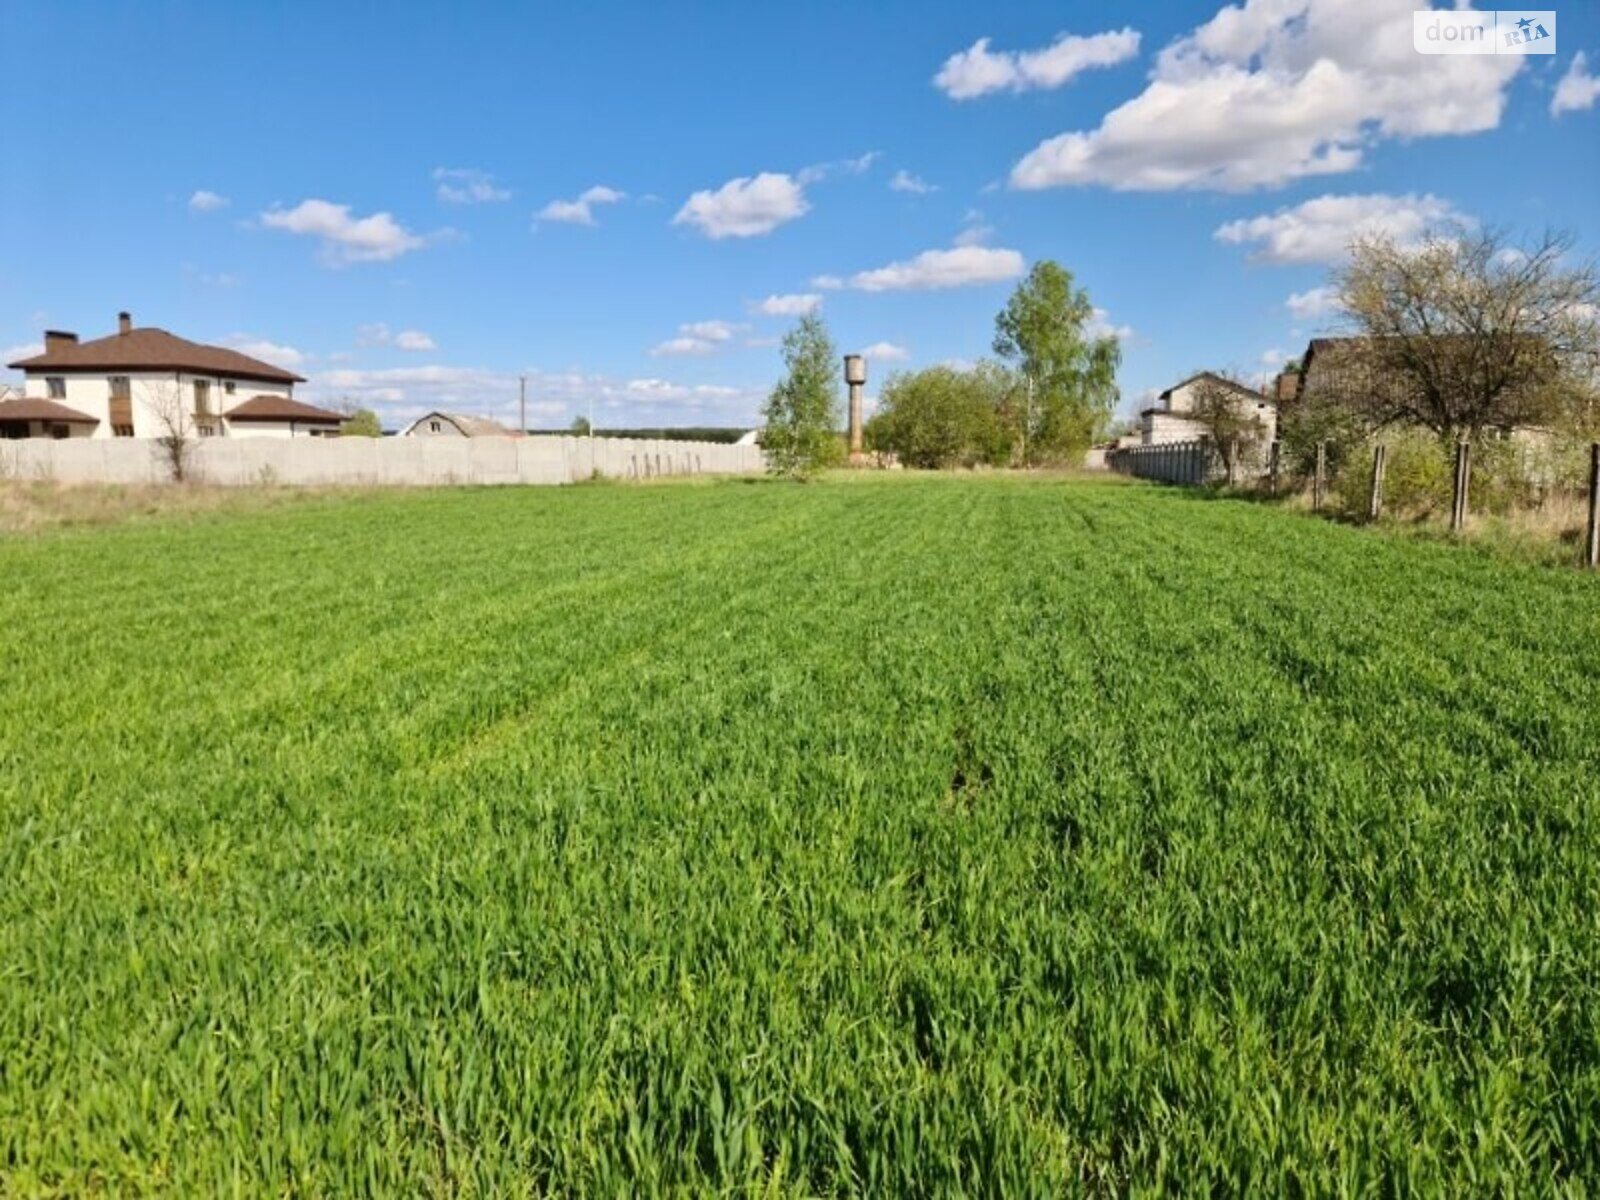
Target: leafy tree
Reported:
[(580, 427), (943, 417), (361, 422), (1069, 377), (802, 414)]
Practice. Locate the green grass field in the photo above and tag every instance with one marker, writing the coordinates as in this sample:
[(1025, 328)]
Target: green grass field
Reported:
[(889, 835)]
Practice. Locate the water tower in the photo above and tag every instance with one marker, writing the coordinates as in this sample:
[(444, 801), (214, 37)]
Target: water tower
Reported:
[(855, 375)]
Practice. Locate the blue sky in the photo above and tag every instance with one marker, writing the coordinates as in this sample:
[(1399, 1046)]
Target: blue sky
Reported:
[(356, 191)]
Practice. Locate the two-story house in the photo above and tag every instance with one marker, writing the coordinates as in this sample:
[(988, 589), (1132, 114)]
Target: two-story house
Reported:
[(1172, 419), (148, 383)]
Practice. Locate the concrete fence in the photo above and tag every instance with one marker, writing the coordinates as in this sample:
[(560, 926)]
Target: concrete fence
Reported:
[(358, 460), (1194, 462)]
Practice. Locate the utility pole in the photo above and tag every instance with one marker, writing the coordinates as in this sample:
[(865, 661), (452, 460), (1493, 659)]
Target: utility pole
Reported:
[(522, 404)]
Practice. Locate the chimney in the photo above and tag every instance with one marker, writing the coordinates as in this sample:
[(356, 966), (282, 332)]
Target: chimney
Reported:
[(55, 340), (124, 322)]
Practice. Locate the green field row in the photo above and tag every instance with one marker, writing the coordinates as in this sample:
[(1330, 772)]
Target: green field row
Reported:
[(889, 836)]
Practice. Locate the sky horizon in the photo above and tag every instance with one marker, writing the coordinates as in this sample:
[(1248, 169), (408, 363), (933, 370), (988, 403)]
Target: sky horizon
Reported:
[(630, 204)]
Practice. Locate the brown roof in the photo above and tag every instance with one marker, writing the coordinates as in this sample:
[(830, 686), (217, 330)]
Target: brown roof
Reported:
[(151, 349), (281, 408), (29, 409)]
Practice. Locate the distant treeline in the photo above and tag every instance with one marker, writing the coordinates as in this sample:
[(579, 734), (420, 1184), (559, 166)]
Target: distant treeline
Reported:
[(686, 433)]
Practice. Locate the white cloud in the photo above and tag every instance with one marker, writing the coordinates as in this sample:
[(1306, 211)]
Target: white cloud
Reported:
[(275, 353), (1578, 89), (828, 283), (977, 71), (25, 350), (697, 338), (962, 266), (679, 346), (817, 172), (345, 239), (1100, 325), (378, 334), (581, 210), (204, 201), (793, 305), (976, 231), (1321, 229), (1313, 303), (905, 181), (885, 352), (745, 207), (1273, 357), (711, 331), (414, 340), (1269, 91), (468, 185), (554, 397)]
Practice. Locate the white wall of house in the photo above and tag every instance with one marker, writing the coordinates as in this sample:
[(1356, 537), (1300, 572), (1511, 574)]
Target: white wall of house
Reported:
[(278, 429), (91, 395), (1170, 425)]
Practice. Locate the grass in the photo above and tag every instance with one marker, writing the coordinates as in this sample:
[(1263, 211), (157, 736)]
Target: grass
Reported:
[(901, 836)]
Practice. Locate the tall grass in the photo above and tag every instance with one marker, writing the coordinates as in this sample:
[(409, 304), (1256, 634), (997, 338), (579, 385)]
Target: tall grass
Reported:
[(932, 836)]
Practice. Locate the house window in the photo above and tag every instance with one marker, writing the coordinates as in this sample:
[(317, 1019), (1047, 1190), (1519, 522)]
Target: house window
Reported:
[(122, 430), (120, 389), (58, 431), (433, 426), (55, 387), (202, 397), (227, 387)]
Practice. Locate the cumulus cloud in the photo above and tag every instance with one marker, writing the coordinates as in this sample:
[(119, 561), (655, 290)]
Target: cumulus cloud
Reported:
[(344, 238), (905, 181), (1270, 91), (696, 338), (977, 70), (961, 266), (796, 304), (828, 283), (1312, 303), (468, 185), (276, 353), (885, 352), (1321, 230), (204, 201), (378, 334), (1578, 89), (745, 207), (581, 210), (1100, 325)]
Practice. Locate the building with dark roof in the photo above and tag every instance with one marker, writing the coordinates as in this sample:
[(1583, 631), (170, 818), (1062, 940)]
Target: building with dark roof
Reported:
[(1170, 418), (150, 383)]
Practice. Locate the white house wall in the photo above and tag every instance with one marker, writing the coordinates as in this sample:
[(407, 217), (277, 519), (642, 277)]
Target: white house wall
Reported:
[(91, 395)]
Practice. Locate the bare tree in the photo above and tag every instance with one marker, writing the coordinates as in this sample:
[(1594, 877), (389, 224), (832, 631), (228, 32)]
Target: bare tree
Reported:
[(1468, 332), (174, 423)]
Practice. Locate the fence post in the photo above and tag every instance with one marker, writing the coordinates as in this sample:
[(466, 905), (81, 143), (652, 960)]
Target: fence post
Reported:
[(1591, 544), (1274, 463), (1233, 462), (1458, 506), (1380, 460), (1319, 484)]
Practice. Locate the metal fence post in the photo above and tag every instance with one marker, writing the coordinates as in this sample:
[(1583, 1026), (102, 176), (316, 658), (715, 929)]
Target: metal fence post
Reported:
[(1319, 484), (1274, 464), (1380, 458)]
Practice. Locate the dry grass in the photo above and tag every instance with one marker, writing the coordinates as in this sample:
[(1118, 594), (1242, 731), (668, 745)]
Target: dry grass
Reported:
[(39, 506)]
